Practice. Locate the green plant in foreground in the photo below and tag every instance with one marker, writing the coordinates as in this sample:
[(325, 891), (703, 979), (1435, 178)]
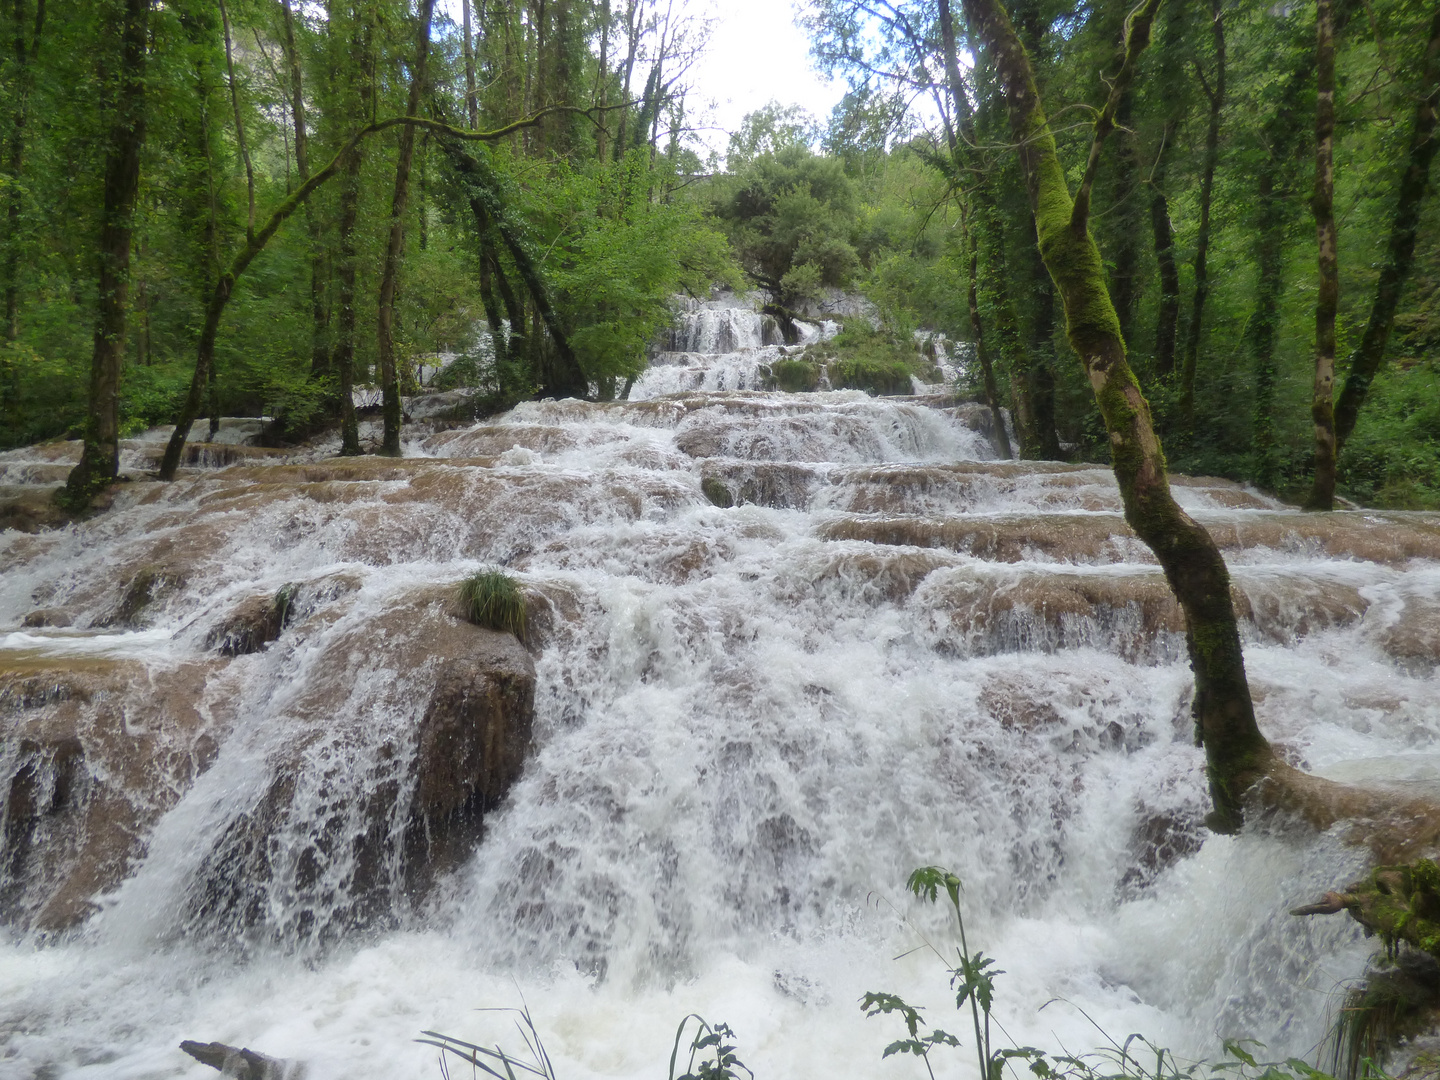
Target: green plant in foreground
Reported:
[(712, 1056), (973, 980), (492, 599), (707, 1041), (489, 1060)]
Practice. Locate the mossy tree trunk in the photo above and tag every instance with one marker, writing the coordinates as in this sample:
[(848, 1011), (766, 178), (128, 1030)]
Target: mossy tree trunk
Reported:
[(100, 460), (982, 351), (472, 100), (1400, 251), (1237, 754), (389, 277), (1327, 299)]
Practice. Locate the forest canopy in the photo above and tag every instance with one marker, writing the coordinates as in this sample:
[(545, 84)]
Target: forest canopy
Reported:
[(510, 198)]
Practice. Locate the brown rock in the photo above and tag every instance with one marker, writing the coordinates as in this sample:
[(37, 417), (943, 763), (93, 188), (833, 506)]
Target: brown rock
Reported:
[(95, 751), (1414, 637), (48, 617), (251, 624), (150, 583), (385, 781)]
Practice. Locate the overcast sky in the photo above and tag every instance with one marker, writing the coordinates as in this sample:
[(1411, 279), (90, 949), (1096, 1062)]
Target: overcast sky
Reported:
[(757, 54)]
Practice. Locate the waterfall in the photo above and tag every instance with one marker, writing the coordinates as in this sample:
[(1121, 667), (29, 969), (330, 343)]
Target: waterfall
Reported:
[(785, 648)]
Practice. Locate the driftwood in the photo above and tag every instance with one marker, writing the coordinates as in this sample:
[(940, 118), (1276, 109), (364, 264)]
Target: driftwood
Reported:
[(240, 1063)]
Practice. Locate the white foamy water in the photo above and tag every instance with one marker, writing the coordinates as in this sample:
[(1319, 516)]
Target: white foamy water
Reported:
[(751, 724)]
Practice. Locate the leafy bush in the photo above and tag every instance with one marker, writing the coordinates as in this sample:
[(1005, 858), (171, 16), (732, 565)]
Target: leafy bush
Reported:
[(492, 599), (793, 376), (861, 357)]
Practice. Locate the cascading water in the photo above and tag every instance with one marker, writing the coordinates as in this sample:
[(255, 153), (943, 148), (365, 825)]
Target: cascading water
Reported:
[(751, 722)]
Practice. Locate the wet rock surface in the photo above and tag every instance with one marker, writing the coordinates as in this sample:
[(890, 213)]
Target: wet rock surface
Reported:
[(730, 729)]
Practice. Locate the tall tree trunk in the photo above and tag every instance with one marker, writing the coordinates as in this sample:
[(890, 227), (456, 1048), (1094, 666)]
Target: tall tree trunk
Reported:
[(239, 122), (1327, 300), (1274, 208), (472, 103), (1260, 330), (1216, 94), (1238, 754), (965, 118), (389, 375), (1400, 252), (344, 355), (632, 41), (319, 316), (519, 344), (15, 158), (1040, 372), (346, 270), (100, 460), (602, 78), (1167, 317), (982, 351), (1125, 224)]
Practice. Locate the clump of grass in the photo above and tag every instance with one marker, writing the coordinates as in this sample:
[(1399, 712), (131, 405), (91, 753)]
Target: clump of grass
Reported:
[(492, 599)]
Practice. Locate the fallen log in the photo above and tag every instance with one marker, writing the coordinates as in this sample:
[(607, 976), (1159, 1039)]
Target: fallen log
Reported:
[(241, 1063)]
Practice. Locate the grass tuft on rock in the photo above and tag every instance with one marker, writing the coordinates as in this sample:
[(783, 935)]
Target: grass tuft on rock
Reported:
[(492, 599)]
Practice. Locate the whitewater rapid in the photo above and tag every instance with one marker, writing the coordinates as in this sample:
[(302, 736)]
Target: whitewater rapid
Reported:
[(752, 723)]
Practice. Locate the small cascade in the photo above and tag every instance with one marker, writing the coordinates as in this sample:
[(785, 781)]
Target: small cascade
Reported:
[(262, 785), (726, 343)]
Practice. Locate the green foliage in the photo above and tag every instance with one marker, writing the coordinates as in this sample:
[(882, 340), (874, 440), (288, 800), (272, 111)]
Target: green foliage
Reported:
[(791, 217), (492, 599), (621, 251), (973, 980), (769, 129), (1393, 460), (490, 1060), (712, 1056), (861, 357), (794, 376)]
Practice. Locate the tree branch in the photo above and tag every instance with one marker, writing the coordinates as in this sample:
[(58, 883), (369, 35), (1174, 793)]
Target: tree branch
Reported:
[(1137, 38)]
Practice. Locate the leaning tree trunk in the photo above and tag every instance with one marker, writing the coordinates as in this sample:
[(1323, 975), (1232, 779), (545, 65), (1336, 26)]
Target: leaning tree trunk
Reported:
[(100, 460), (1237, 753), (1216, 94), (1260, 332), (1240, 760), (1400, 253), (389, 375), (566, 378), (1322, 404)]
